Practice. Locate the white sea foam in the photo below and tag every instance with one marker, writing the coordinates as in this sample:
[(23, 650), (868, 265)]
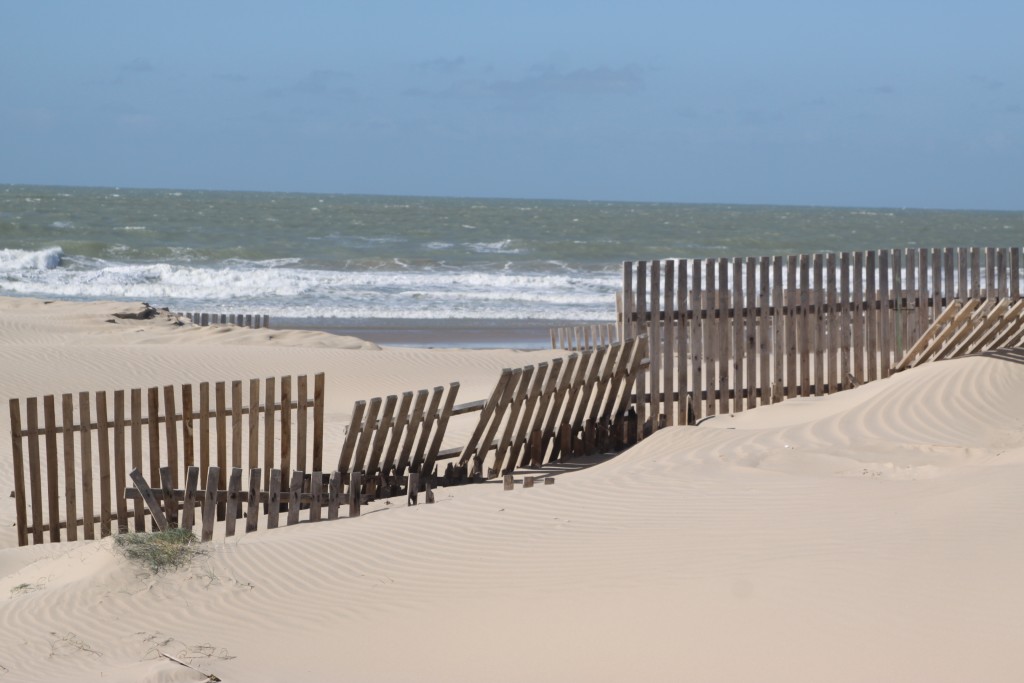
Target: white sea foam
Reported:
[(278, 288)]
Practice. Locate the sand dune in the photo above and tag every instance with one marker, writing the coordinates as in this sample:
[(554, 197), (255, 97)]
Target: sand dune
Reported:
[(874, 535)]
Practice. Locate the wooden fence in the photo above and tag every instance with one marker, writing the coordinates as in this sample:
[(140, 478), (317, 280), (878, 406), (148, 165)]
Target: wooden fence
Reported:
[(82, 449), (737, 333), (535, 415), (584, 337), (254, 321)]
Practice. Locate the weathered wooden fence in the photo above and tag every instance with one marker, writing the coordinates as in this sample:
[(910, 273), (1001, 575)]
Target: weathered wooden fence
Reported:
[(255, 321), (71, 454), (737, 333), (584, 337), (535, 415)]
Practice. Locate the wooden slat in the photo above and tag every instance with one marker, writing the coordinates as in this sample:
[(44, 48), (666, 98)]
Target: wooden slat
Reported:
[(187, 428), (254, 424), (792, 302), (188, 509), (301, 422), (153, 432), (210, 503), (274, 498), (252, 507), (859, 319), (833, 317), (871, 318), (817, 318), (88, 509), (738, 324), (628, 329), (295, 496), (669, 345), (778, 345), (103, 453), (750, 331), (34, 469), (52, 473), (70, 469), (20, 499), (724, 346), (232, 507), (355, 493), (204, 430), (120, 462), (319, 392), (171, 432), (1015, 272), (885, 327), (286, 427), (236, 423), (682, 340), (269, 397), (220, 417), (335, 495), (642, 329), (696, 309), (711, 324), (656, 346), (804, 328)]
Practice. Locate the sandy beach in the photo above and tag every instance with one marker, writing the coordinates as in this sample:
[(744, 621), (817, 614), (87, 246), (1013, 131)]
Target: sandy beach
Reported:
[(873, 535)]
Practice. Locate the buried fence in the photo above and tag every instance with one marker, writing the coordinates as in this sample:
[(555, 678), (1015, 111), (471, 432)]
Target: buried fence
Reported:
[(86, 451), (735, 333), (535, 415)]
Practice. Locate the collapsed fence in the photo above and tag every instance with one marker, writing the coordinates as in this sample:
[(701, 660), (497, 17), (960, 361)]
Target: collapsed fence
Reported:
[(736, 333)]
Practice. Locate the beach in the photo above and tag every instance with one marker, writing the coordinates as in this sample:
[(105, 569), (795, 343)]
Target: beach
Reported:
[(869, 535)]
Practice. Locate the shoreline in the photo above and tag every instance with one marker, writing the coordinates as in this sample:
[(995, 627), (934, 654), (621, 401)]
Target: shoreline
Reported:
[(462, 333)]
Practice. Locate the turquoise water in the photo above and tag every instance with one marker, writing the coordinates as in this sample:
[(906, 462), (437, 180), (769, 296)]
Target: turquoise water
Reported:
[(373, 258)]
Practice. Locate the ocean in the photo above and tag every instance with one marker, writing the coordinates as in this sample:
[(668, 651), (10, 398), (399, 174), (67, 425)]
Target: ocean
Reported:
[(413, 270)]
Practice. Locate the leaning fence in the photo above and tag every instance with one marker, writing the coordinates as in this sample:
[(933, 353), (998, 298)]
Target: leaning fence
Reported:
[(732, 334)]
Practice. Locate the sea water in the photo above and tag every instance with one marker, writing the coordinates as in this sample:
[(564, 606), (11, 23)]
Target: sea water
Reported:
[(430, 264)]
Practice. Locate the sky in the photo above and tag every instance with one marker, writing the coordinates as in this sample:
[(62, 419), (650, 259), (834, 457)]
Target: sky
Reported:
[(897, 103)]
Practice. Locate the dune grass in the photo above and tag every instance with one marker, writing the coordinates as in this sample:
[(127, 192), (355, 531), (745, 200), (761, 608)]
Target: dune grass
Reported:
[(160, 551)]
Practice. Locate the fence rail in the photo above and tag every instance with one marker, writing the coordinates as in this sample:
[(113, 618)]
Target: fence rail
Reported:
[(80, 451), (736, 333)]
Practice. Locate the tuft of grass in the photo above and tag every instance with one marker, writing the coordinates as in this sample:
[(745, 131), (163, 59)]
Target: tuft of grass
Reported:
[(160, 551)]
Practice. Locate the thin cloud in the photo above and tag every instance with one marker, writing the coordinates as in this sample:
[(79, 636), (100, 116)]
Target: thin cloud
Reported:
[(545, 82), (318, 83)]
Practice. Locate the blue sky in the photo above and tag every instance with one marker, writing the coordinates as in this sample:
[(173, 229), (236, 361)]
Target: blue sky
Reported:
[(867, 103)]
